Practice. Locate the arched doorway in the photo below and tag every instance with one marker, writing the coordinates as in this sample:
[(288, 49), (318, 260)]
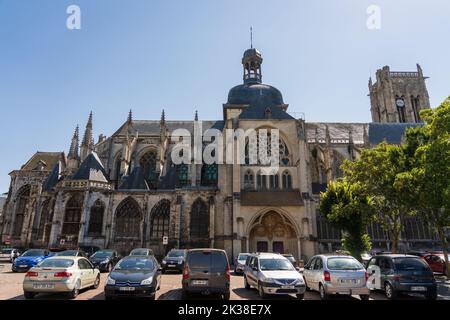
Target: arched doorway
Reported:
[(273, 232)]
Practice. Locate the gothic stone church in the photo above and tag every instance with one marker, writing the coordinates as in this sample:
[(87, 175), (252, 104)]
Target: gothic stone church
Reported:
[(123, 191)]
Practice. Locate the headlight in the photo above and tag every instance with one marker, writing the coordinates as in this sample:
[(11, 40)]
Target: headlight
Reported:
[(147, 282), (299, 281), (180, 262), (164, 261), (269, 280), (111, 281)]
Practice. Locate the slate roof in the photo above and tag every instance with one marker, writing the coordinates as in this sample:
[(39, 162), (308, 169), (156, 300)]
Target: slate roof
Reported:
[(260, 112), (50, 159), (339, 132), (255, 94), (91, 169), (135, 181), (152, 127), (53, 178), (390, 132)]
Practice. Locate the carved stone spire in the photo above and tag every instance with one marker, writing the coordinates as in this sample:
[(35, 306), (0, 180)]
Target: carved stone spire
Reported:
[(73, 152)]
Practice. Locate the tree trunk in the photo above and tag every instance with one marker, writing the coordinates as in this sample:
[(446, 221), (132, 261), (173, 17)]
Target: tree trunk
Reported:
[(444, 244)]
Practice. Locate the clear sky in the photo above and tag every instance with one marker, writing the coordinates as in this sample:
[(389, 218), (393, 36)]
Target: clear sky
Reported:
[(185, 55)]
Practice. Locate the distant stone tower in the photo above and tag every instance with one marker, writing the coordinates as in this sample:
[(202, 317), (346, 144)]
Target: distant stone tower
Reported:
[(398, 97)]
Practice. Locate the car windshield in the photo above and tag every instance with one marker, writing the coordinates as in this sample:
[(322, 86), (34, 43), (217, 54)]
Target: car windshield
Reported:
[(56, 263), (6, 251), (135, 264), (275, 264), (242, 257), (140, 252), (410, 264), (68, 253), (344, 264), (102, 254), (34, 253), (175, 254)]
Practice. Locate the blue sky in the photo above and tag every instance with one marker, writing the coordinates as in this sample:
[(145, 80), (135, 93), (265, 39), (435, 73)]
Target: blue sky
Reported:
[(185, 55)]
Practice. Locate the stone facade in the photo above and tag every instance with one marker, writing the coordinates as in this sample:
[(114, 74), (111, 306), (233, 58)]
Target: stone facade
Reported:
[(124, 191)]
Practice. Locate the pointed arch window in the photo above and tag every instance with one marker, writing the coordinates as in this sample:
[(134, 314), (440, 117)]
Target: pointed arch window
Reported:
[(261, 181), (249, 180), (96, 218), (160, 220), (287, 180), (72, 217), (128, 219), (22, 200), (209, 175), (199, 224), (183, 175), (274, 182), (148, 165), (283, 150)]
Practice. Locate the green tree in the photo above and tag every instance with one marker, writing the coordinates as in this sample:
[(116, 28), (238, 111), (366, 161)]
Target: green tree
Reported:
[(346, 206), (427, 183), (377, 170)]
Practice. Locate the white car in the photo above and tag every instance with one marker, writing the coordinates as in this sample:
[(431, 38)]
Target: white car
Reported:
[(273, 274), (61, 274)]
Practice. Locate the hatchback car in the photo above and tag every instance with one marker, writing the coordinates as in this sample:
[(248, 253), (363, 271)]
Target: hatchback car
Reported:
[(29, 259), (399, 273), (105, 260), (239, 264), (336, 274), (141, 252), (61, 275), (134, 276), (206, 271), (436, 261), (273, 274), (174, 260)]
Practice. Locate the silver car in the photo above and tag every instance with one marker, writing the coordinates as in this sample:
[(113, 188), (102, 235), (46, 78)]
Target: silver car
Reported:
[(61, 274), (336, 274), (273, 274)]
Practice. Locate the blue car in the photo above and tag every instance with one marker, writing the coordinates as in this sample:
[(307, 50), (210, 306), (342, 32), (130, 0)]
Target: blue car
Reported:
[(29, 259)]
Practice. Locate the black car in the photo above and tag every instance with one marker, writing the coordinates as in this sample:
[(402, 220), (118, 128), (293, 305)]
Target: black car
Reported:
[(105, 260), (90, 250), (400, 273), (134, 276), (174, 260)]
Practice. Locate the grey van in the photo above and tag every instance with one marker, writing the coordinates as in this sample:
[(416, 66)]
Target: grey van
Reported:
[(206, 271)]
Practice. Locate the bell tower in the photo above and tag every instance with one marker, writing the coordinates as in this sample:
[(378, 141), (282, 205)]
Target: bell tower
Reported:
[(398, 97)]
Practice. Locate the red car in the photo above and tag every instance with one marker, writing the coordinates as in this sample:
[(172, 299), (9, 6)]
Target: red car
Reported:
[(436, 262)]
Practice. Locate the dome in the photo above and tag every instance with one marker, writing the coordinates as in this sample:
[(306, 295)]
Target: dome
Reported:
[(257, 94), (251, 53)]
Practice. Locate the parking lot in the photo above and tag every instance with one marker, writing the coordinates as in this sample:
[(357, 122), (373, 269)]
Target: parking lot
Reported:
[(11, 288)]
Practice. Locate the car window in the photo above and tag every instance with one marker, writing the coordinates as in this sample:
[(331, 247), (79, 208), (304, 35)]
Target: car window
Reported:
[(219, 261), (410, 264), (275, 264), (310, 264), (34, 253), (56, 263), (318, 265), (343, 264), (102, 254), (135, 264), (373, 262), (385, 264), (176, 254), (84, 264)]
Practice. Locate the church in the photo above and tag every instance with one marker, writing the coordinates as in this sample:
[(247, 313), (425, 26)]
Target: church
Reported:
[(124, 191)]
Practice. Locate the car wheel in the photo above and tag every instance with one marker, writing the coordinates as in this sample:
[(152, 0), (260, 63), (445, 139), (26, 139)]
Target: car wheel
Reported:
[(246, 285), (29, 295), (76, 290), (261, 291), (226, 296), (322, 292), (389, 291), (364, 297), (96, 282), (300, 296)]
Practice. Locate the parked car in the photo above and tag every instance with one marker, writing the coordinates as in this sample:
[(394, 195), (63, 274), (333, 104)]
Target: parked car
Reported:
[(336, 274), (70, 253), (239, 263), (400, 273), (29, 259), (134, 276), (89, 250), (206, 271), (436, 262), (273, 274), (174, 260), (105, 260), (141, 252), (9, 254), (61, 275)]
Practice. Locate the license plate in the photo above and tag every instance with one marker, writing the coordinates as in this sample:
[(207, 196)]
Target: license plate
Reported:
[(23, 266), (199, 282), (171, 266), (287, 287), (126, 288), (418, 289), (43, 286), (349, 281)]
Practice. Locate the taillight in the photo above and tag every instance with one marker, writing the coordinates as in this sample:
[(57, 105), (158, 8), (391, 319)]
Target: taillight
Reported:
[(31, 274), (228, 273), (186, 272), (62, 274), (327, 276), (366, 275), (397, 278)]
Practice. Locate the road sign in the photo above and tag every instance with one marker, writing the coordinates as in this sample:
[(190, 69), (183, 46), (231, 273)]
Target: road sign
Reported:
[(62, 241), (165, 240)]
